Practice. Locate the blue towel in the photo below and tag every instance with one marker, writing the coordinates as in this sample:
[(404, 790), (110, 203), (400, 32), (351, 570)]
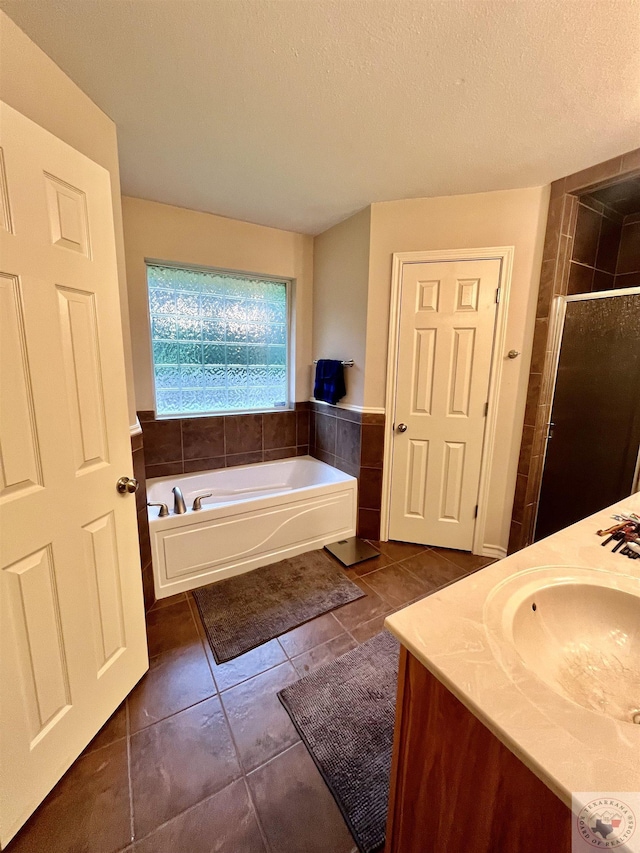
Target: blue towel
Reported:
[(329, 385)]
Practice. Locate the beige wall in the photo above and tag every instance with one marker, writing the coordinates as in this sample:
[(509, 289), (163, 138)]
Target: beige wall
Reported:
[(509, 218), (33, 84), (163, 232), (341, 283)]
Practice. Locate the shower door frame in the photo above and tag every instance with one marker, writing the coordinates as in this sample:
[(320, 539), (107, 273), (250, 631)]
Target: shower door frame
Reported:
[(550, 376)]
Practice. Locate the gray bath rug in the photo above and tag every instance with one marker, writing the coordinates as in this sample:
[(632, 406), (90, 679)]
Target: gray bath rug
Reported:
[(344, 713), (247, 610)]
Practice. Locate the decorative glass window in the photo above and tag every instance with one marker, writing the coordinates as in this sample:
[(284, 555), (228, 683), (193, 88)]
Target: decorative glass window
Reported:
[(220, 341)]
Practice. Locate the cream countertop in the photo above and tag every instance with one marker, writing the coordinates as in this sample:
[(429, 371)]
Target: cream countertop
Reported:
[(567, 746)]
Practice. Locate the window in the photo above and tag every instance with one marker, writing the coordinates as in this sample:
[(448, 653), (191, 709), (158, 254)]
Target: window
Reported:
[(219, 341)]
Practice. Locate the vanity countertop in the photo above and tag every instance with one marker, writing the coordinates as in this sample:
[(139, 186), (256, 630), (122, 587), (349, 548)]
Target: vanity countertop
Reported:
[(569, 747)]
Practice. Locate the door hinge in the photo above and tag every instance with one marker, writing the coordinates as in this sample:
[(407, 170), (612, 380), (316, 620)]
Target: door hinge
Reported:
[(486, 409), (498, 295), (475, 512)]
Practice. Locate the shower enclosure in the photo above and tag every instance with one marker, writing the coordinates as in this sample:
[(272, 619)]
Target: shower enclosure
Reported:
[(593, 436)]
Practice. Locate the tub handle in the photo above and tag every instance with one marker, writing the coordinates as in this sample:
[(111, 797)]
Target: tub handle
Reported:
[(197, 504), (164, 510)]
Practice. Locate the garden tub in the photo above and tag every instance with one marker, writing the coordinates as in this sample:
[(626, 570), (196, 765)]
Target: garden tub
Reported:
[(256, 515)]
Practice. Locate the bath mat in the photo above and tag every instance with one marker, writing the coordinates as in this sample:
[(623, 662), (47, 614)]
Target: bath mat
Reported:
[(344, 713), (247, 610)]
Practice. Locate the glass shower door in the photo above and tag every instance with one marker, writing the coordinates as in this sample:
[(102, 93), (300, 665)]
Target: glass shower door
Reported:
[(592, 450)]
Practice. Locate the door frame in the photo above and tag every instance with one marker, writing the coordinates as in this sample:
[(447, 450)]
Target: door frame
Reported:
[(504, 254), (557, 317)]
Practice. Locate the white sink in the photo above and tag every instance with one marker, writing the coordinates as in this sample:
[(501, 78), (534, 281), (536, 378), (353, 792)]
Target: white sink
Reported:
[(576, 629)]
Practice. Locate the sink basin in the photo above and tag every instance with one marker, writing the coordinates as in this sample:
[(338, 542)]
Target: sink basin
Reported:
[(576, 629)]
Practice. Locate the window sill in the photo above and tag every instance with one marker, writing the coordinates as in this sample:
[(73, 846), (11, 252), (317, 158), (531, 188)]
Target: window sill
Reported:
[(228, 413)]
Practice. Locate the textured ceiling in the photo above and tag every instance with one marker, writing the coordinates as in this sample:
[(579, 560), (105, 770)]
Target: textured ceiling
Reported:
[(296, 114)]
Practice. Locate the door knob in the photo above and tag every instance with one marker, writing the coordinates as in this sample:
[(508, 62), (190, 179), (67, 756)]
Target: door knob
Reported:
[(401, 427), (127, 485)]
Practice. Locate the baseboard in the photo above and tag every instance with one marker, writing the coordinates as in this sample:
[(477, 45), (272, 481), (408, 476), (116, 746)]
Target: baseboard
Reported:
[(495, 551)]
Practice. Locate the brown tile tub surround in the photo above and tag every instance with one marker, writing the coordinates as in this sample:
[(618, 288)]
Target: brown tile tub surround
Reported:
[(354, 443), (567, 246), (137, 451), (185, 445)]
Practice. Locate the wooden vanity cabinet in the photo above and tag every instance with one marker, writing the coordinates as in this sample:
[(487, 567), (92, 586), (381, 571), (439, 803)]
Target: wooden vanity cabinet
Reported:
[(455, 788)]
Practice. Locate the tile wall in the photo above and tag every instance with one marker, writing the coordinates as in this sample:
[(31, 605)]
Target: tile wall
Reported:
[(565, 246), (354, 443), (184, 445), (596, 242), (606, 249), (348, 440), (628, 267), (137, 451)]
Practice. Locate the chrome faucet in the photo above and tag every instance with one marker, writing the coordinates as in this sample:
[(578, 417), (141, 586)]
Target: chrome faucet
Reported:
[(164, 510), (197, 504), (179, 506)]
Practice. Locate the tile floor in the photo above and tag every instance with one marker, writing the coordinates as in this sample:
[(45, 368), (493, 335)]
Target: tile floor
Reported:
[(201, 757)]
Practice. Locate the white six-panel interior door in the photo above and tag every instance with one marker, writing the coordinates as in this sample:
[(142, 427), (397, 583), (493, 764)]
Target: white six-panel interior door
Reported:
[(447, 313), (72, 634)]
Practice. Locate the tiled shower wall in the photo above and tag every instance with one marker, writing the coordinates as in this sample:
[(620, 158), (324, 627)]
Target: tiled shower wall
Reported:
[(184, 445), (559, 255), (596, 243), (354, 443), (606, 249), (628, 267)]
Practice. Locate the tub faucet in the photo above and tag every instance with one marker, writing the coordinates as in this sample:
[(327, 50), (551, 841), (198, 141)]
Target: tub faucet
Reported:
[(164, 509), (179, 506), (197, 504)]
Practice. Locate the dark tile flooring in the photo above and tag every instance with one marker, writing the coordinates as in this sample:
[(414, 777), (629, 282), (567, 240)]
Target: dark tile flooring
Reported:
[(202, 757)]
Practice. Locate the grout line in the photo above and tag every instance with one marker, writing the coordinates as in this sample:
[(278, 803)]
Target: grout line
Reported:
[(187, 810), (348, 632), (256, 814), (155, 606), (129, 774), (319, 646), (192, 607), (284, 651), (175, 713), (255, 674), (205, 643), (273, 757), (243, 771), (590, 267), (447, 583)]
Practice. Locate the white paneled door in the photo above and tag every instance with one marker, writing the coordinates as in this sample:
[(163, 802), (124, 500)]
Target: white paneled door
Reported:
[(72, 635), (446, 331)]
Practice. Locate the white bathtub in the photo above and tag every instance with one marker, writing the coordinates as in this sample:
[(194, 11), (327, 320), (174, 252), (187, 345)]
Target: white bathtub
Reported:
[(258, 514)]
